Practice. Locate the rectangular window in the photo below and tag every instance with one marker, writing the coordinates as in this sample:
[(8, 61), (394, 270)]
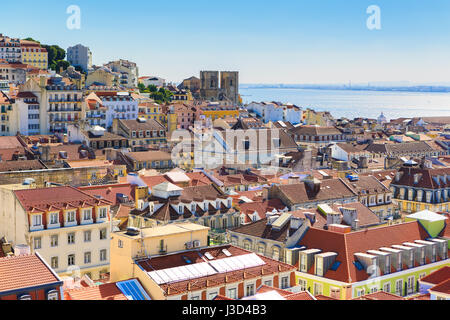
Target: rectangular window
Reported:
[(387, 287), (302, 283), (37, 243), (54, 218), (268, 283), (87, 236), (284, 282), (360, 292), (120, 244), (54, 240), (71, 216), (232, 294), (317, 289), (54, 262), (103, 234), (71, 238), (71, 259), (103, 255), (87, 214), (87, 257), (37, 220), (399, 287), (250, 290), (102, 213)]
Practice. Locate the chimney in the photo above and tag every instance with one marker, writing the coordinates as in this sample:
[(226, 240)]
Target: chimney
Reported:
[(313, 184)]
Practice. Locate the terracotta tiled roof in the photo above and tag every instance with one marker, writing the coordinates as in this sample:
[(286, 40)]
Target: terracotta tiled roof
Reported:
[(346, 245), (322, 297), (109, 192), (107, 291), (261, 207), (56, 197), (149, 156), (381, 295), (220, 297), (437, 276), (329, 189), (262, 230), (425, 178), (443, 287), (9, 142), (24, 271), (21, 165), (315, 131), (367, 185), (287, 295)]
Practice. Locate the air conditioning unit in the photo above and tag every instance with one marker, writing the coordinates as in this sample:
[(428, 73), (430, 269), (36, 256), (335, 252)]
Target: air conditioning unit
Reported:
[(189, 245), (197, 243)]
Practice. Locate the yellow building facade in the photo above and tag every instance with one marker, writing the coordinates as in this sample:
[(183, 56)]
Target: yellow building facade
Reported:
[(34, 55), (126, 246)]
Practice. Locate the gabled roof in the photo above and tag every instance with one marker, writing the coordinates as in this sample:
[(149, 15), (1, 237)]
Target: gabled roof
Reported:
[(24, 271), (381, 295)]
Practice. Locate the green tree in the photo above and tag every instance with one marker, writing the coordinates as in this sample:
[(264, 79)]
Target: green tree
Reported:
[(152, 88)]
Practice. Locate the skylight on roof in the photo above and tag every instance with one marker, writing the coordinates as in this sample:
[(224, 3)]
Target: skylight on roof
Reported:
[(358, 265), (209, 255), (226, 252), (335, 266)]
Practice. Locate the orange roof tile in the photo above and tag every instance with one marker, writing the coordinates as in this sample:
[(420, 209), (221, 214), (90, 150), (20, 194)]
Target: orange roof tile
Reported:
[(25, 271), (107, 291), (437, 276)]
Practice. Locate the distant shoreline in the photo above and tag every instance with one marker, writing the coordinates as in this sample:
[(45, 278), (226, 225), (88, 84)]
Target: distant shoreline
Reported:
[(418, 89)]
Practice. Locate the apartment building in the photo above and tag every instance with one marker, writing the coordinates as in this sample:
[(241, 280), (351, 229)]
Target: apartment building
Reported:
[(67, 227), (80, 56), (63, 104), (197, 271), (317, 136), (119, 105), (422, 187), (206, 205), (33, 54), (373, 194), (10, 49), (129, 72), (273, 111), (388, 258), (140, 132)]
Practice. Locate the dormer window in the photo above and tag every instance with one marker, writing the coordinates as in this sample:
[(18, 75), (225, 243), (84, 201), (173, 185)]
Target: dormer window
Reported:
[(71, 216), (180, 209), (205, 206), (37, 220), (217, 204), (229, 203), (193, 207), (54, 218), (133, 134), (102, 212)]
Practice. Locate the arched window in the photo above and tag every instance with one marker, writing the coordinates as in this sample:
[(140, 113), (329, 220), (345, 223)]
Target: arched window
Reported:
[(25, 297)]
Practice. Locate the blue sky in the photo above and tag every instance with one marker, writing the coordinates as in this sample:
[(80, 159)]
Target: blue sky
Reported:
[(284, 41)]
